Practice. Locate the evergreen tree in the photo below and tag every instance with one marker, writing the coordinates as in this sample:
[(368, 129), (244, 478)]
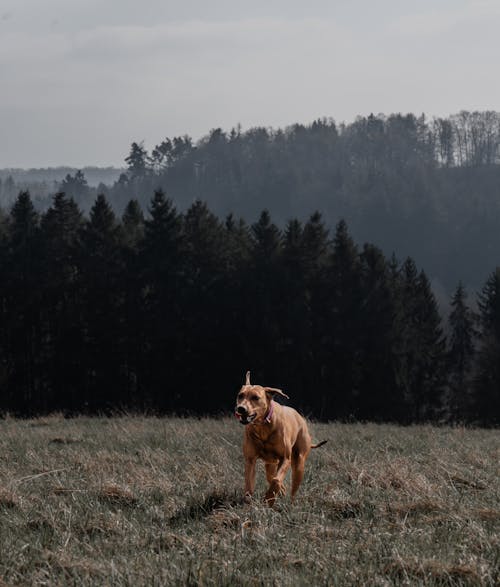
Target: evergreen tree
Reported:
[(293, 313), (101, 266), (137, 162), (341, 334), (460, 355), (420, 346), (378, 399), (262, 296), (62, 305), (22, 320), (161, 259), (432, 360), (487, 388), (132, 225), (76, 186), (132, 328), (200, 299)]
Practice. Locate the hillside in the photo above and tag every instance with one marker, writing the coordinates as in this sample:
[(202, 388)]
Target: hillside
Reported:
[(429, 189), (143, 501)]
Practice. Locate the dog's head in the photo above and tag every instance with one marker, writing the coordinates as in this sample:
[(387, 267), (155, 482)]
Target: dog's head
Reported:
[(253, 402)]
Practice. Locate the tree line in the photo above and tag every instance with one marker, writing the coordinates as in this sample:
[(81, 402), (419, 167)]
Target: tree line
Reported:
[(427, 188), (164, 312)]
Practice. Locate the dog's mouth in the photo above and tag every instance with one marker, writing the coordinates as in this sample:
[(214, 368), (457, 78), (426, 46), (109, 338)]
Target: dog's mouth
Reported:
[(245, 418)]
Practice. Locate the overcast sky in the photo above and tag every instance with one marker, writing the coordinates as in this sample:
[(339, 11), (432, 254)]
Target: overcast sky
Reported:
[(81, 79)]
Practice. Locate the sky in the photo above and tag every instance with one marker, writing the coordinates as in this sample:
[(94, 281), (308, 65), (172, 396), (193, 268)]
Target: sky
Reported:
[(81, 79)]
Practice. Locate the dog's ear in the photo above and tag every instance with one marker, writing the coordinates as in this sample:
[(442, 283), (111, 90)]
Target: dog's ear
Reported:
[(274, 391), (247, 382)]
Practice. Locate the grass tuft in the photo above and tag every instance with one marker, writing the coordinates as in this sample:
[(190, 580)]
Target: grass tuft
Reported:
[(434, 572), (117, 495)]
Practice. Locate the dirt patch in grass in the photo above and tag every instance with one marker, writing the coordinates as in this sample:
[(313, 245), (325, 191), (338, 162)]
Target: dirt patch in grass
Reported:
[(205, 506), (117, 495), (8, 499)]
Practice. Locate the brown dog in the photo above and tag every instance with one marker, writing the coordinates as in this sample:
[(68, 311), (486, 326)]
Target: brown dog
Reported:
[(274, 433)]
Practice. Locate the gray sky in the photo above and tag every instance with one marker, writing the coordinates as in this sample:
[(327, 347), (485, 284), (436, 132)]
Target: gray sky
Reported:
[(81, 79)]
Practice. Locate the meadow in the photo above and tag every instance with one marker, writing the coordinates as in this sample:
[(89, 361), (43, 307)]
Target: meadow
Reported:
[(135, 500)]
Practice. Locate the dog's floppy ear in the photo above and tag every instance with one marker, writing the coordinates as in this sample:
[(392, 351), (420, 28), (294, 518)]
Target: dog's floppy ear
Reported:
[(247, 382), (274, 391)]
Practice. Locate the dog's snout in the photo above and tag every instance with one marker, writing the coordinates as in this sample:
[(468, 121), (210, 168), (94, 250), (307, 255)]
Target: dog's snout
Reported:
[(241, 410)]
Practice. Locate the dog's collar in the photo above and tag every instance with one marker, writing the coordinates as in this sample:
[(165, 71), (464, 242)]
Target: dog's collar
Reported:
[(269, 416)]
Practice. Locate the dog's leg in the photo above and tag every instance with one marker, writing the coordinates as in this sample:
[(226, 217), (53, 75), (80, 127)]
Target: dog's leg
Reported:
[(271, 469), (249, 477), (276, 486), (298, 463), (270, 497)]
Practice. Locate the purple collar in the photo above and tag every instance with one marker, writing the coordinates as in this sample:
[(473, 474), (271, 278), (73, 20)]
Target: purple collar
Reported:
[(269, 415)]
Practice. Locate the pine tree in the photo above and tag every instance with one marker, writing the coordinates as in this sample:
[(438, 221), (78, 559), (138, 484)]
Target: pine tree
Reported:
[(22, 307), (487, 388), (132, 225), (460, 355), (341, 333), (101, 264), (76, 186), (137, 161), (203, 264), (131, 279), (293, 313), (432, 359), (420, 346), (61, 241), (261, 296), (379, 398), (161, 260)]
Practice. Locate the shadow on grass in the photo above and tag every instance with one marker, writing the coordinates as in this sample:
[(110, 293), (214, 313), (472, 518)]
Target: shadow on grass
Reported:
[(198, 509)]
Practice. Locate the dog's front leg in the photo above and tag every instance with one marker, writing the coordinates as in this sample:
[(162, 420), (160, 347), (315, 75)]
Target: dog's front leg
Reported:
[(250, 463), (276, 486)]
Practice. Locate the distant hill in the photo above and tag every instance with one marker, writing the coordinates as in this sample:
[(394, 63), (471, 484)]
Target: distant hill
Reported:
[(51, 175), (419, 187)]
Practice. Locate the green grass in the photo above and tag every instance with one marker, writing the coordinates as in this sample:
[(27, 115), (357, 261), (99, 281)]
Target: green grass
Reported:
[(147, 501)]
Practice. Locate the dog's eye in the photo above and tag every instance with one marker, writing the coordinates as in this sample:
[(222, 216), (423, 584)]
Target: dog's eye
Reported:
[(254, 398), (241, 395)]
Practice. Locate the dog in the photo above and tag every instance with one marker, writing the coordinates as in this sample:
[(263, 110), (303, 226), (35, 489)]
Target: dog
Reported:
[(274, 433)]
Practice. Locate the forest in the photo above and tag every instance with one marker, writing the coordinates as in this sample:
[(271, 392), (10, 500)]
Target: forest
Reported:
[(161, 311), (425, 188)]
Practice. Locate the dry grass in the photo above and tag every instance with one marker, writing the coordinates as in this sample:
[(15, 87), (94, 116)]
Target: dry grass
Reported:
[(147, 501)]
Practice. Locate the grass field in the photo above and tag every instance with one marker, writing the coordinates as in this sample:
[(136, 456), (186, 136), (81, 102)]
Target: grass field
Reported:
[(147, 501)]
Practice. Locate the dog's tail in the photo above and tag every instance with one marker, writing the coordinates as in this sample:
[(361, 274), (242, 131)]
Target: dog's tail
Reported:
[(319, 444)]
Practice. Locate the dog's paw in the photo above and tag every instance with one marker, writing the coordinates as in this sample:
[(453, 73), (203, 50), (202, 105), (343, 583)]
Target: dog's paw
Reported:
[(276, 489)]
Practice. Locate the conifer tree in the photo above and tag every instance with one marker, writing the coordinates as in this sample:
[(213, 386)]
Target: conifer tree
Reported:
[(378, 399), (460, 355), (419, 347), (428, 396), (341, 336), (22, 308), (487, 389), (203, 266), (262, 295), (161, 259), (101, 269), (132, 225), (132, 327), (61, 241)]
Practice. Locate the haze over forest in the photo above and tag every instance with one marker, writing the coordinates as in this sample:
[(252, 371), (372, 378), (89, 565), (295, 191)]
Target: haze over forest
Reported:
[(428, 188)]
